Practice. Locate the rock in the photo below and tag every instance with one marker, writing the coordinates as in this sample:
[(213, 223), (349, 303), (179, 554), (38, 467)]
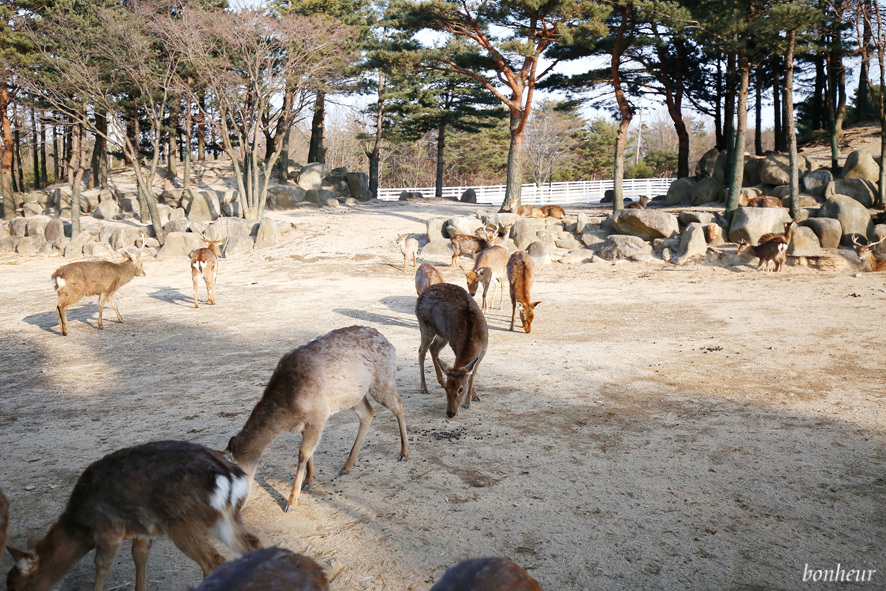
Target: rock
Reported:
[(865, 192), (594, 239), (647, 224), (351, 202), (233, 210), (828, 230), (129, 204), (707, 190), (179, 225), (541, 252), (29, 244), (358, 184), (461, 225), (4, 230), (689, 217), (469, 196), (437, 249), (749, 223), (282, 197), (435, 228), (582, 220), (75, 246), (578, 255), (707, 164), (320, 197), (570, 243), (163, 211), (106, 210), (312, 175), (804, 199), (678, 192), (9, 243), (816, 182), (89, 200), (228, 196), (36, 226), (98, 249), (204, 207), (608, 196), (125, 237), (752, 168), (237, 245), (713, 234), (408, 195), (720, 167), (55, 229), (18, 227), (32, 209), (47, 247), (776, 169), (180, 244), (40, 197), (804, 242), (861, 165), (853, 217), (693, 244), (171, 197), (175, 214), (268, 234), (223, 228), (500, 219), (618, 246)]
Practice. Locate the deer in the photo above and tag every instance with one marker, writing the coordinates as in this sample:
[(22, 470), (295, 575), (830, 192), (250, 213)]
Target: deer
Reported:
[(74, 281), (765, 201), (489, 267), (341, 369), (773, 250), (448, 314), (641, 204), (553, 211), (487, 574), (173, 489), (464, 244), (784, 237), (529, 211), (4, 520), (865, 252), (486, 233), (520, 270), (409, 247), (267, 569), (426, 276), (204, 261)]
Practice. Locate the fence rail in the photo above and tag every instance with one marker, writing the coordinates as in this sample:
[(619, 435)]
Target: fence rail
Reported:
[(567, 192)]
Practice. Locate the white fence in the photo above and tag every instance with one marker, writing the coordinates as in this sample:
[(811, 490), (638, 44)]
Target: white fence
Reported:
[(568, 192)]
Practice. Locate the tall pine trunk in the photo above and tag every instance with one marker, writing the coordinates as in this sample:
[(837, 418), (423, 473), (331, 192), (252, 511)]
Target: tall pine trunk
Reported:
[(758, 113), (791, 127), (38, 182), (777, 118), (43, 167), (514, 187), (441, 146), (740, 129), (624, 108), (375, 154), (317, 148), (818, 113), (6, 154), (100, 152)]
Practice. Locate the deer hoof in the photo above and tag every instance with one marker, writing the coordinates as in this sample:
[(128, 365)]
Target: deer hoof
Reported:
[(342, 472), (306, 486), (466, 405), (475, 398), (402, 459), (423, 390), (287, 509)]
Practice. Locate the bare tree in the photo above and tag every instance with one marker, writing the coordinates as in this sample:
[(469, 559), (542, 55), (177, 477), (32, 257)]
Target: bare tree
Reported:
[(549, 138)]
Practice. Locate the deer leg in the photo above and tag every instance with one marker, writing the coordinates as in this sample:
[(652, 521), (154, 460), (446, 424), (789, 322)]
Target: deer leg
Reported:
[(405, 258), (436, 347), (455, 253), (210, 286), (102, 300), (113, 301), (309, 475), (386, 395), (194, 280), (309, 440), (513, 307), (141, 547), (365, 413), (104, 560), (427, 337), (62, 310), (501, 292), (485, 289), (243, 540), (193, 540), (413, 260), (471, 392)]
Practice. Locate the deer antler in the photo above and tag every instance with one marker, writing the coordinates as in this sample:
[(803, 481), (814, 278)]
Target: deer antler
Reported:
[(873, 244), (856, 242)]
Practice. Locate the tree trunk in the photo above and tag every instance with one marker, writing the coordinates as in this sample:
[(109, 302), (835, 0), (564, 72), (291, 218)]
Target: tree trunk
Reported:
[(832, 117), (375, 155), (6, 154), (758, 114), (719, 141), (74, 177), (56, 158), (618, 173), (317, 148), (881, 103), (514, 188), (201, 126), (43, 167), (100, 152), (186, 184), (38, 182), (791, 128), (776, 112), (740, 128), (625, 109), (818, 113), (441, 146), (17, 137)]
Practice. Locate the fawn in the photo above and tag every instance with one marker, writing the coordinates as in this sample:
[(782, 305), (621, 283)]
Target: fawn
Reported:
[(464, 244), (267, 569), (641, 204), (341, 369), (426, 276), (409, 247), (486, 574), (489, 267), (520, 270), (784, 237), (204, 261), (774, 250)]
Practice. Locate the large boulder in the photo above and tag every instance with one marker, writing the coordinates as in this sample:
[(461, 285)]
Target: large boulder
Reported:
[(678, 192), (707, 165), (777, 169), (749, 223), (435, 228), (804, 200), (462, 225), (647, 224), (854, 218), (469, 196), (237, 245), (224, 227), (55, 229), (828, 230), (8, 243), (618, 246), (99, 250), (752, 167), (228, 196), (29, 245), (18, 227), (284, 196), (861, 165), (32, 208), (106, 210), (312, 175), (171, 197), (816, 182), (268, 234), (89, 200), (541, 251), (865, 192), (708, 190), (36, 226), (180, 244), (358, 184), (437, 249), (690, 217), (321, 197), (693, 244), (179, 225), (720, 167), (594, 239), (125, 236), (203, 207), (233, 210), (525, 231), (804, 243)]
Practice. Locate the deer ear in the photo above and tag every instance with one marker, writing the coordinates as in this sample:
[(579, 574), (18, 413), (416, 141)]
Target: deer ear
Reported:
[(25, 561), (444, 366), (469, 367), (534, 304)]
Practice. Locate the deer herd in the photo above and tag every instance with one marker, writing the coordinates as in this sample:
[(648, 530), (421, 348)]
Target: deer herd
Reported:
[(191, 494)]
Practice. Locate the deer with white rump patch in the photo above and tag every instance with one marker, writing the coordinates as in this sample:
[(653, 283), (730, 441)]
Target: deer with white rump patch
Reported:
[(447, 314), (520, 271), (75, 281), (172, 489), (339, 370), (409, 248), (204, 261), (865, 252), (426, 276), (773, 250), (489, 267)]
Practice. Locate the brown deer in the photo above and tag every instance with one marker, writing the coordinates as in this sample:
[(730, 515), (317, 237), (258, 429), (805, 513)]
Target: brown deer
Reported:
[(774, 250), (341, 369), (486, 233), (487, 574), (173, 489), (765, 201), (448, 314), (865, 252), (520, 270), (553, 211), (489, 267), (502, 235), (426, 276), (464, 244), (204, 261), (267, 569), (529, 211), (4, 520), (74, 281), (409, 248), (784, 237), (641, 204)]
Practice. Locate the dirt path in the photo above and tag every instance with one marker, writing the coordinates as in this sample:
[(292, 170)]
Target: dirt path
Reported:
[(661, 428)]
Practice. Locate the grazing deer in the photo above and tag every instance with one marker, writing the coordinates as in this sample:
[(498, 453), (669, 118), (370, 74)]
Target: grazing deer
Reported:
[(409, 248), (204, 261), (866, 253), (74, 281), (267, 569), (529, 211), (520, 270), (464, 244), (489, 267), (426, 276), (486, 233), (173, 489), (641, 204), (774, 250), (784, 237), (447, 314), (487, 574), (765, 201), (553, 211), (4, 520), (338, 370)]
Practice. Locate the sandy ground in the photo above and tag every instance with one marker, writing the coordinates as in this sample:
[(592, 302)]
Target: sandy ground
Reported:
[(663, 428)]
